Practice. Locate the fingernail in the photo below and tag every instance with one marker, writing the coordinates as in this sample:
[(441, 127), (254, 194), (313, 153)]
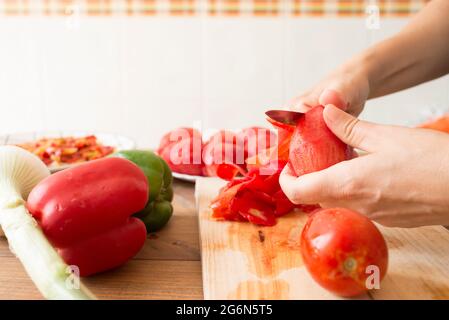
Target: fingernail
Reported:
[(334, 97)]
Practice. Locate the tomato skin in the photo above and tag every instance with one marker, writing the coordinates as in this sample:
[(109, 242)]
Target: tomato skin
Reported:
[(335, 239), (217, 153), (314, 146)]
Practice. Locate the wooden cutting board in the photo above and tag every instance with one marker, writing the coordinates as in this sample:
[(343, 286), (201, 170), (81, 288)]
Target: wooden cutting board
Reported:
[(244, 261)]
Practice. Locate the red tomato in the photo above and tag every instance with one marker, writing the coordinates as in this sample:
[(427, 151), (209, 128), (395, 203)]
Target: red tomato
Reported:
[(256, 139), (337, 246), (181, 149), (177, 135), (223, 136), (184, 156), (314, 146)]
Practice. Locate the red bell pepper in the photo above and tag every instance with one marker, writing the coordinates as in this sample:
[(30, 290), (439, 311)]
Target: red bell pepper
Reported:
[(86, 211)]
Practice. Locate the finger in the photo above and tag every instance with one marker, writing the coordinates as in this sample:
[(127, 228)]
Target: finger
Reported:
[(300, 108), (333, 97), (311, 188), (354, 132), (303, 103)]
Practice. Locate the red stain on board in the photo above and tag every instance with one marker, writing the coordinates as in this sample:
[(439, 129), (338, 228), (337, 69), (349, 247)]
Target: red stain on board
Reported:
[(269, 250)]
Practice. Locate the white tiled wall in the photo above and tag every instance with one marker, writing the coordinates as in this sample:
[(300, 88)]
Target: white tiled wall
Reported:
[(142, 76)]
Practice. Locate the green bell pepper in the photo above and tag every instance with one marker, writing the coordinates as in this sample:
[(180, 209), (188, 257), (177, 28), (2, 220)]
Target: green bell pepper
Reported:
[(159, 209)]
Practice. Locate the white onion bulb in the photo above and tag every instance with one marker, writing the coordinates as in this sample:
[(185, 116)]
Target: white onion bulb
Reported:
[(20, 172)]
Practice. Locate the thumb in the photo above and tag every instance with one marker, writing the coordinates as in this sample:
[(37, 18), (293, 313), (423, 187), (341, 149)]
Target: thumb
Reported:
[(354, 132)]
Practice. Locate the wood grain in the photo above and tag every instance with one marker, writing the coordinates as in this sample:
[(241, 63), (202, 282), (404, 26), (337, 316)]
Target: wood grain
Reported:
[(418, 266), (244, 261), (149, 279), (138, 279), (168, 267)]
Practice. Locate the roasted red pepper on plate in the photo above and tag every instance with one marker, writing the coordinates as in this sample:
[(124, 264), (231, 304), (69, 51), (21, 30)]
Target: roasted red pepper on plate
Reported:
[(85, 212)]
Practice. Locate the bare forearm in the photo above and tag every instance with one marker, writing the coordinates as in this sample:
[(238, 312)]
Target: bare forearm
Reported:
[(419, 53)]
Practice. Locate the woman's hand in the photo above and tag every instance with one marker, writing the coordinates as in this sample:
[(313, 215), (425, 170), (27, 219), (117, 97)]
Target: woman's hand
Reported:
[(346, 88), (403, 181)]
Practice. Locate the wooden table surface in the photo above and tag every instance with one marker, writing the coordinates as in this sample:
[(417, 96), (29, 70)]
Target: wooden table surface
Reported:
[(168, 267)]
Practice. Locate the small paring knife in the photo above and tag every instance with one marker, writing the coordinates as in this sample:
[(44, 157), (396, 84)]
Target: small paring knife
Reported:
[(284, 116)]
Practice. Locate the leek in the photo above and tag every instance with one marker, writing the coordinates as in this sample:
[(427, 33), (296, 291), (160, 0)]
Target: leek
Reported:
[(20, 171)]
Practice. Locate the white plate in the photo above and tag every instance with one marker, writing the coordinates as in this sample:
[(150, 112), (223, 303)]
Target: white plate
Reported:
[(186, 177), (117, 141)]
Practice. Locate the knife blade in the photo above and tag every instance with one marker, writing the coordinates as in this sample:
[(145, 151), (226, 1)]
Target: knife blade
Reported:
[(284, 116)]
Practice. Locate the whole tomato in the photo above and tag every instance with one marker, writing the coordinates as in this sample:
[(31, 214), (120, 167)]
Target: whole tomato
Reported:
[(184, 156), (222, 136), (177, 135), (181, 149), (341, 249), (256, 140)]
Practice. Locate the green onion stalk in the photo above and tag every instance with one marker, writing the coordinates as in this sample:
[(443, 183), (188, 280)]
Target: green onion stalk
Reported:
[(20, 171)]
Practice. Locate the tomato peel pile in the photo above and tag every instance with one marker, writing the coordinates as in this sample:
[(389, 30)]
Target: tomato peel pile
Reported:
[(256, 197)]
